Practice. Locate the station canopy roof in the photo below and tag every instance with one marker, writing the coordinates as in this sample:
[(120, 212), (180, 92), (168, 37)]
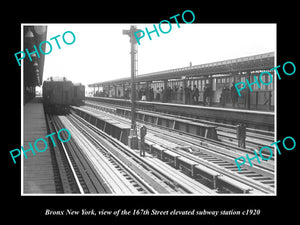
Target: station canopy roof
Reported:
[(264, 61), (33, 69)]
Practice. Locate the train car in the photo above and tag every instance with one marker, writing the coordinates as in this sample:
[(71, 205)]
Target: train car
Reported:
[(78, 94), (57, 95)]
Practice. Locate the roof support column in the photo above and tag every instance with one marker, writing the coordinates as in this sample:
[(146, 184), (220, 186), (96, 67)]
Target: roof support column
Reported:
[(247, 99), (184, 85), (115, 90)]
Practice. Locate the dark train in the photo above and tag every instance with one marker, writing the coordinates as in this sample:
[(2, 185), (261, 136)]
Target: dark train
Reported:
[(59, 93)]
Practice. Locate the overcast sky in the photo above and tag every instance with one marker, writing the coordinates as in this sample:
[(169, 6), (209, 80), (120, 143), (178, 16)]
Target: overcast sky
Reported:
[(101, 51)]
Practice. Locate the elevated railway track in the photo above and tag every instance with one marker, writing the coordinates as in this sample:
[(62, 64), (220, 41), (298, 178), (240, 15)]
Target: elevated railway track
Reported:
[(225, 132), (189, 155)]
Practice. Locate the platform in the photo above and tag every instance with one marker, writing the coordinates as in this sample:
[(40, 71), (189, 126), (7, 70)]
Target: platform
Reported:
[(38, 175), (252, 118)]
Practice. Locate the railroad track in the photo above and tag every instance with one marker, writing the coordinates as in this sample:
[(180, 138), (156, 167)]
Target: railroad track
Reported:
[(260, 178), (214, 156), (167, 180), (255, 138), (79, 175), (70, 181), (224, 145), (217, 156), (119, 178)]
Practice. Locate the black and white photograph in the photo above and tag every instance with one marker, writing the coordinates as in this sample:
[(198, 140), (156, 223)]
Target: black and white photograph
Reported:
[(133, 124), (170, 117)]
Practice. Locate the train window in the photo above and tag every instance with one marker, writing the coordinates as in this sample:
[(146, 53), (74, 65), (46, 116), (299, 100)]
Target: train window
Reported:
[(65, 95), (58, 88), (75, 91)]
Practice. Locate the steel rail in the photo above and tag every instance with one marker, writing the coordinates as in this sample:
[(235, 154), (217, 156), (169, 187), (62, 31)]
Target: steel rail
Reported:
[(91, 181), (139, 183), (66, 169), (234, 175), (163, 175), (252, 134), (227, 146)]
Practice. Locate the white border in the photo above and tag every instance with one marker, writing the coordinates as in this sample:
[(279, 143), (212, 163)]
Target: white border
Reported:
[(22, 113), (275, 112)]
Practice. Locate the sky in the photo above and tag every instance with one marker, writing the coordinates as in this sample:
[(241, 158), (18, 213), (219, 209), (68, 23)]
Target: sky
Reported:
[(101, 52)]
